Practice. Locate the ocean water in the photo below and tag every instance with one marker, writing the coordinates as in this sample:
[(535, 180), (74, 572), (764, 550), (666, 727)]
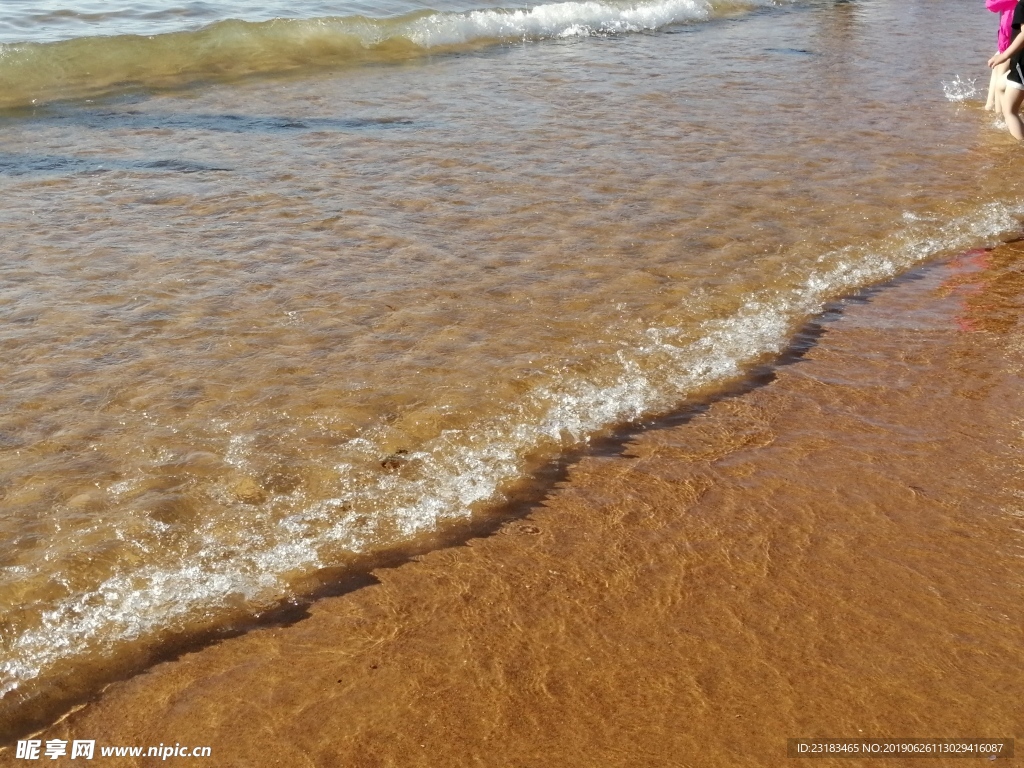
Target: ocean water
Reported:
[(284, 290)]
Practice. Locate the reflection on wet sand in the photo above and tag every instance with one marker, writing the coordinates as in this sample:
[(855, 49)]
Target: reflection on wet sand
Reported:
[(834, 554), (990, 286)]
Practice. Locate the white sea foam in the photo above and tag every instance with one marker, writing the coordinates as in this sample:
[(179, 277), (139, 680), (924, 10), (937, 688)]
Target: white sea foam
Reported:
[(655, 370), (559, 20), (572, 19)]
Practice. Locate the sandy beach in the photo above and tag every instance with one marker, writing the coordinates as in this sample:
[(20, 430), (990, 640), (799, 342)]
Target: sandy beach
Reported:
[(833, 553)]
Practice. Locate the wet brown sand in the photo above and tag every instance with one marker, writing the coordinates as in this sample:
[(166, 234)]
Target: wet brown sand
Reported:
[(837, 553)]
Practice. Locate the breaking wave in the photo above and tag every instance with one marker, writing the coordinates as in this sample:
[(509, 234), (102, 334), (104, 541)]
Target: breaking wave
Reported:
[(85, 67)]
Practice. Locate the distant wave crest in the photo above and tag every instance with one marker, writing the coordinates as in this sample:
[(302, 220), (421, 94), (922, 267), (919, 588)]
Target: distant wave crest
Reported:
[(33, 73)]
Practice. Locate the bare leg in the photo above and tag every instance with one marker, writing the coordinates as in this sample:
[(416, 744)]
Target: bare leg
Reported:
[(1012, 100), (990, 102), (995, 87)]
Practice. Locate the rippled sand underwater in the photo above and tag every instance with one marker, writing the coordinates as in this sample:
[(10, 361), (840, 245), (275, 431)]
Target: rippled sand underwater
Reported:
[(274, 326)]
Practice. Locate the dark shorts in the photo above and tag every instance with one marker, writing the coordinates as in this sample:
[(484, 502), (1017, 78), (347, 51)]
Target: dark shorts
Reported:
[(1015, 75)]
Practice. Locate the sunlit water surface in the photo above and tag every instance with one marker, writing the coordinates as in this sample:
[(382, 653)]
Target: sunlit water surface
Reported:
[(261, 326)]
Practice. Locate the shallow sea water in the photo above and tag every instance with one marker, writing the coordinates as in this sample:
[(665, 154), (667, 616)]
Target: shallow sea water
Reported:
[(258, 327)]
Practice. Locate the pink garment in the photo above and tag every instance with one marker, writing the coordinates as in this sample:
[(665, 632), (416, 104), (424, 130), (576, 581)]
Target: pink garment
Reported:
[(1005, 31), (1005, 10)]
